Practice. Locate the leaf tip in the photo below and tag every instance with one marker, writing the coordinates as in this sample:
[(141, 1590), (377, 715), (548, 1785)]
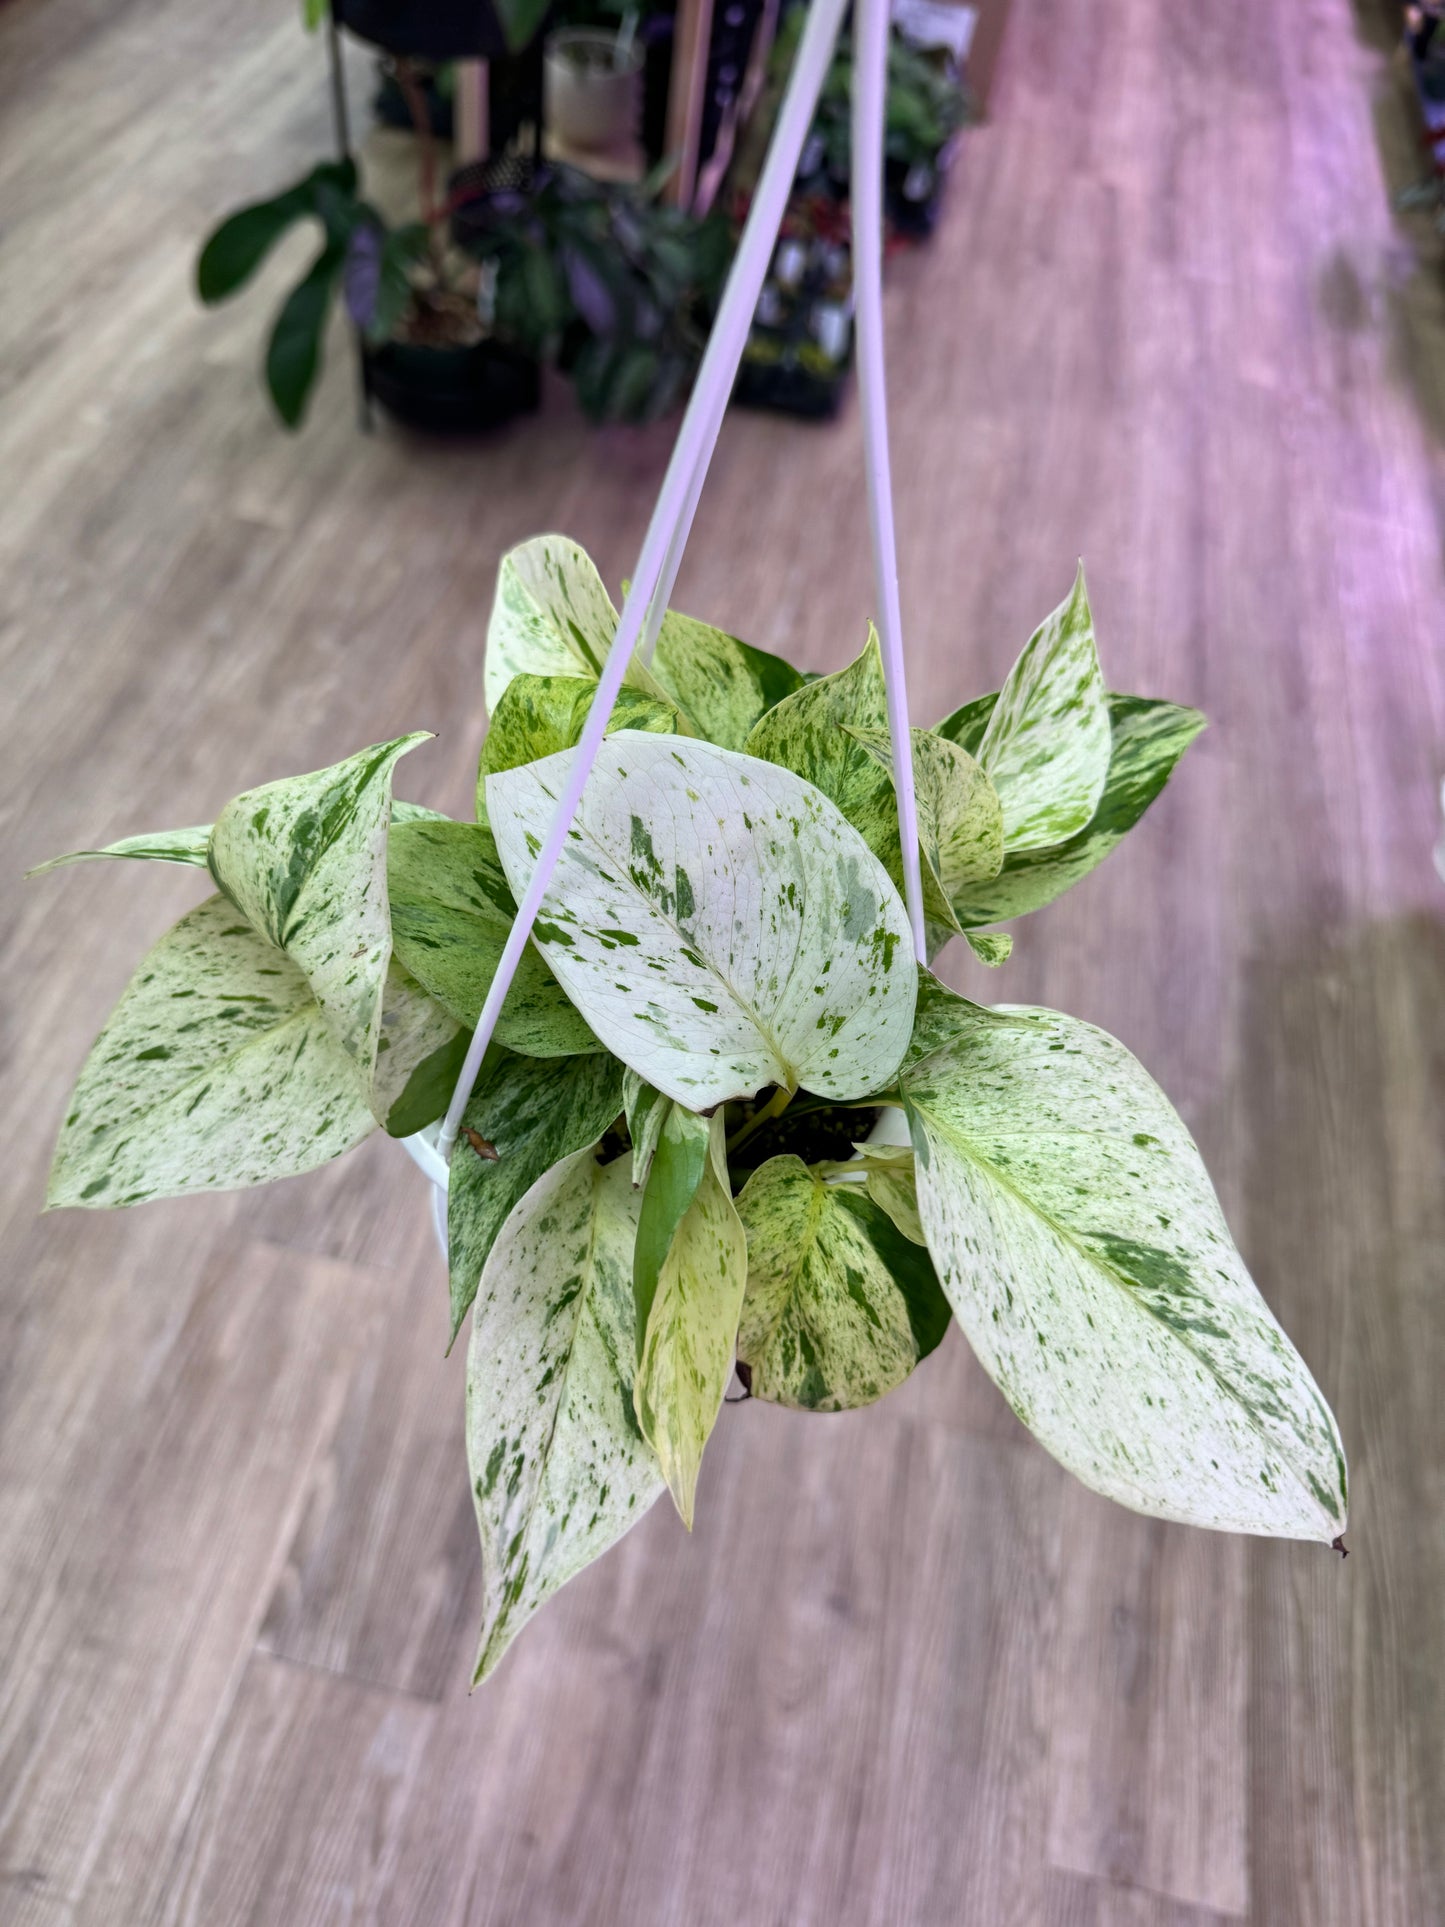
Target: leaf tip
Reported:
[(1337, 1544)]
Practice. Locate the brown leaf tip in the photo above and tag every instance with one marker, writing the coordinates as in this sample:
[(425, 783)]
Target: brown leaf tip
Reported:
[(1338, 1545)]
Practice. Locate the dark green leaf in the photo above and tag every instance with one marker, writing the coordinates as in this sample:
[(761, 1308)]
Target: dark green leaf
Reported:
[(532, 1115), (294, 353), (241, 243)]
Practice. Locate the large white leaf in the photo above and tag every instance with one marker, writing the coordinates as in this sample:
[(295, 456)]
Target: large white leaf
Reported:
[(1083, 1249), (217, 1069), (1046, 746), (559, 1469), (304, 860), (687, 1348), (717, 920), (840, 1305)]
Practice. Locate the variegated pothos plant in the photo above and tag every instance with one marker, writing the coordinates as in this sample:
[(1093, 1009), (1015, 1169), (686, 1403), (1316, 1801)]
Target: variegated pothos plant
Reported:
[(726, 1121)]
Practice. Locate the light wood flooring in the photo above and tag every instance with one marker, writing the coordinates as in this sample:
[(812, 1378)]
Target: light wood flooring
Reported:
[(904, 1672)]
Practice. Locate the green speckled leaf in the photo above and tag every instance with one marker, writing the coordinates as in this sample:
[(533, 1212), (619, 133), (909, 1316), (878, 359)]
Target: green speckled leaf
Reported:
[(722, 685), (687, 1350), (304, 860), (840, 1305), (1046, 744), (418, 1056), (451, 912), (1086, 1257), (552, 616), (1147, 740), (716, 918), (892, 1184), (538, 715), (834, 733), (675, 1170), (960, 821), (646, 1111), (161, 846), (532, 1114), (216, 1070), (559, 1468), (808, 733), (990, 950)]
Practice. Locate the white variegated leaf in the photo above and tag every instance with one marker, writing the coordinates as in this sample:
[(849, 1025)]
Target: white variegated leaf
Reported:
[(304, 860), (217, 1069), (960, 821), (552, 616), (1147, 739), (559, 1468), (688, 1346), (161, 846), (990, 947), (646, 1111), (1046, 745), (840, 1305), (716, 918), (891, 1182), (1083, 1249)]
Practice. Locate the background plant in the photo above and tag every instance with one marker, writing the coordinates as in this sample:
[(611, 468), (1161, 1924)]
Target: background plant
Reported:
[(725, 1115), (608, 283)]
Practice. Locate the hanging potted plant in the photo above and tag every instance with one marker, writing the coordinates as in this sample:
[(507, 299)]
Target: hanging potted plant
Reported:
[(726, 1117), (428, 354)]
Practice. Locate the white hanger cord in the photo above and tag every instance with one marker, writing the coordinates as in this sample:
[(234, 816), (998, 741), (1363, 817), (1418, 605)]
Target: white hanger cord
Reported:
[(680, 490), (870, 94)]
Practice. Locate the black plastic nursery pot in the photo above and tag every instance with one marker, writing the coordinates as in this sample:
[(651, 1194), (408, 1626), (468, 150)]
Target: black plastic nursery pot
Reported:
[(452, 391), (426, 29)]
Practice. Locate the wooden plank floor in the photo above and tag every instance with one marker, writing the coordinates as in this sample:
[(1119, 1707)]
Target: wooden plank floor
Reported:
[(905, 1671)]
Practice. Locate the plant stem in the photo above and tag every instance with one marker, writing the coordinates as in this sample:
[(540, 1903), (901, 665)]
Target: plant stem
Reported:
[(415, 100), (782, 1097)]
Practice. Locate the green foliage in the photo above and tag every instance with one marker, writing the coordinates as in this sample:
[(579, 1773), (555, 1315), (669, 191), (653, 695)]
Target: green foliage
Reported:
[(608, 283), (923, 109), (236, 249), (660, 1168)]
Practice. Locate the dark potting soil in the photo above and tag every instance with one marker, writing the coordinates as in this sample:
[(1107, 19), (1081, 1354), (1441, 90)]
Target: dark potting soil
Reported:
[(814, 1136)]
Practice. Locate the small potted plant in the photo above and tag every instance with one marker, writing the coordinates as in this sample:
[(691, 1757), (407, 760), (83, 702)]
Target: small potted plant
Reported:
[(428, 355), (727, 1121), (604, 281)]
